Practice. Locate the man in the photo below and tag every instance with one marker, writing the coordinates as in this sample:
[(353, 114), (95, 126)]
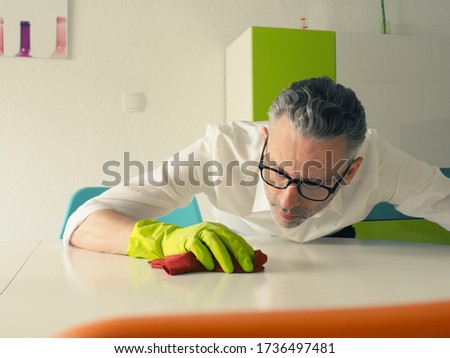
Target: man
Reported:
[(321, 171)]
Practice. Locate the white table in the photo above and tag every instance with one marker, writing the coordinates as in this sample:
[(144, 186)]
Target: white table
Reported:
[(57, 288)]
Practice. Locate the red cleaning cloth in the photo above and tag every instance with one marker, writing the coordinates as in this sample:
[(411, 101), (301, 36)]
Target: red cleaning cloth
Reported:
[(187, 262)]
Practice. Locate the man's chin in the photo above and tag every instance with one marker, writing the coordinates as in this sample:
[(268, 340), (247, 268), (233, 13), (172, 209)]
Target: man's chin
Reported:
[(288, 224)]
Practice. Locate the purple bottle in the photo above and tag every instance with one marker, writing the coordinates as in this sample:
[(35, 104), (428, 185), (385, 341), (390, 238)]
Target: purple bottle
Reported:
[(24, 39)]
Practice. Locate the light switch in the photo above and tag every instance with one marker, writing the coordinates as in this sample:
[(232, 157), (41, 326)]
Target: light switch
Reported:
[(133, 102)]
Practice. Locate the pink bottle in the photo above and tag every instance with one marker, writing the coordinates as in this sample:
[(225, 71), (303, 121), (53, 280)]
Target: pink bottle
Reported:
[(61, 38), (24, 39), (1, 36)]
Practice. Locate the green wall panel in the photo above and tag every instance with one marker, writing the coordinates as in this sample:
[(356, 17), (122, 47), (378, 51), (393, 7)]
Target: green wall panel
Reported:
[(282, 56), (412, 230)]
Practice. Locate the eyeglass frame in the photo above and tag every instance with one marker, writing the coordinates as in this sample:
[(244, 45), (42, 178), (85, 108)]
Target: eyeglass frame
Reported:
[(299, 182)]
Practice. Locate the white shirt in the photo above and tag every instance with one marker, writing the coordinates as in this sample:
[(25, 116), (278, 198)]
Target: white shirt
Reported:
[(223, 165)]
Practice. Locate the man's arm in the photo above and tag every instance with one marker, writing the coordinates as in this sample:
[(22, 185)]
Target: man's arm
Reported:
[(414, 187), (105, 231)]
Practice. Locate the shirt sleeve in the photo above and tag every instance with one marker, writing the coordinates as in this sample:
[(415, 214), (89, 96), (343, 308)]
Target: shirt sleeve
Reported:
[(414, 187), (154, 193)]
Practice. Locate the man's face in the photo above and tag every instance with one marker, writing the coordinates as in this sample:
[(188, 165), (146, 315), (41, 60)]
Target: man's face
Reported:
[(300, 158)]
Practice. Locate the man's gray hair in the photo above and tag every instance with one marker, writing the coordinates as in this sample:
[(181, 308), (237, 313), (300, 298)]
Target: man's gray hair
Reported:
[(320, 109)]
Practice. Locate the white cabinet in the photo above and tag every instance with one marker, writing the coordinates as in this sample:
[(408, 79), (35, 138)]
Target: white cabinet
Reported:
[(404, 85)]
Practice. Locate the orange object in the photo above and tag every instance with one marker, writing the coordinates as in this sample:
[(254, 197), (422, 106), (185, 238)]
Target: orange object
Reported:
[(427, 320)]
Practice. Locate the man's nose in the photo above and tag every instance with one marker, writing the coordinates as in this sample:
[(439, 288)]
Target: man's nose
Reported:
[(289, 197)]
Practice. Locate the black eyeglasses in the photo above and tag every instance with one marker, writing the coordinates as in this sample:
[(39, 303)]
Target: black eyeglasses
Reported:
[(307, 189)]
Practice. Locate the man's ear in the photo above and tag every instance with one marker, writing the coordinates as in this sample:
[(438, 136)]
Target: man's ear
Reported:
[(265, 133), (352, 171)]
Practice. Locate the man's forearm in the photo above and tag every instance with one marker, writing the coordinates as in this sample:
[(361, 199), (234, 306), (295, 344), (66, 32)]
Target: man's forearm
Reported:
[(105, 231)]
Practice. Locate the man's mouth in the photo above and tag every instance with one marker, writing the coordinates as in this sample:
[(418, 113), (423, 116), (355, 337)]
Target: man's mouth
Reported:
[(288, 216)]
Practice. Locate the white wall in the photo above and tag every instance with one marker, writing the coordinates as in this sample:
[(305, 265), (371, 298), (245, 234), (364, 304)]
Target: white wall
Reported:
[(61, 120)]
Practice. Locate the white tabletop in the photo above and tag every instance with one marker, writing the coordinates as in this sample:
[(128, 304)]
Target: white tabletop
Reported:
[(58, 288)]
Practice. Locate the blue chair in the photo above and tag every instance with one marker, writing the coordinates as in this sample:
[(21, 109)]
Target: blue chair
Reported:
[(385, 222), (186, 216)]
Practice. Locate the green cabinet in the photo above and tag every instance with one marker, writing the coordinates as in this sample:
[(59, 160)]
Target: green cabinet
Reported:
[(263, 61)]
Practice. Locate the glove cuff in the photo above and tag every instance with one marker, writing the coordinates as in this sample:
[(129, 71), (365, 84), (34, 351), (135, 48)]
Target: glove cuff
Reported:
[(143, 243)]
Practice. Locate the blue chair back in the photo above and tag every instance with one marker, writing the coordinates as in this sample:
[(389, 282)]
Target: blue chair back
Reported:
[(186, 216)]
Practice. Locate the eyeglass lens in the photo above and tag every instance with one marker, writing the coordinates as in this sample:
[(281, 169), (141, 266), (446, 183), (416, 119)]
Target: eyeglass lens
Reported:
[(308, 190)]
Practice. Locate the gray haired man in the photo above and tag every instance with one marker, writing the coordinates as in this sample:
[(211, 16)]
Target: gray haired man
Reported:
[(322, 170)]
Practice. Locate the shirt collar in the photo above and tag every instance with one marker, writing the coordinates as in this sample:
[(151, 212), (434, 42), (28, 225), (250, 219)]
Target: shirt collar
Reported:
[(261, 202)]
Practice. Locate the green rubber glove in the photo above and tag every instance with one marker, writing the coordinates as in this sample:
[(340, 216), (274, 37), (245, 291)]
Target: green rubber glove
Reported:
[(152, 239)]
